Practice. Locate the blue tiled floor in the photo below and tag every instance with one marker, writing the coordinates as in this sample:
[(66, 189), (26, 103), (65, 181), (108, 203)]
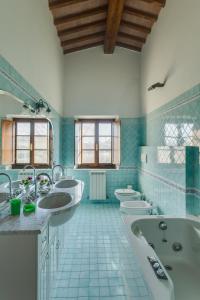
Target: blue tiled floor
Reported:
[(96, 259)]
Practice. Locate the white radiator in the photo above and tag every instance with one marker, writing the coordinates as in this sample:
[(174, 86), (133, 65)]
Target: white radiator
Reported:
[(97, 185)]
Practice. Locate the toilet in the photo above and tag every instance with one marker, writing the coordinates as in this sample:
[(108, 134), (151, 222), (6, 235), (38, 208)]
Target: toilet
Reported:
[(136, 207), (127, 195)]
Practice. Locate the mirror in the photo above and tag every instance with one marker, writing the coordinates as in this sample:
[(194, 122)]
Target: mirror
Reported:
[(9, 105), (25, 136)]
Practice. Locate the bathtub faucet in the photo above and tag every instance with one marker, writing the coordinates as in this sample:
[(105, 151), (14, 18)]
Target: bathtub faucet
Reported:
[(163, 225)]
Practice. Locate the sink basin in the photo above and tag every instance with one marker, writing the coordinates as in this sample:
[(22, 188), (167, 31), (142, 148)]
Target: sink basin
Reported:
[(4, 196), (55, 200), (15, 184), (60, 205), (66, 183)]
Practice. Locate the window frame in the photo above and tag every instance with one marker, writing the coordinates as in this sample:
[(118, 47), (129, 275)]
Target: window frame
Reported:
[(96, 164), (32, 149)]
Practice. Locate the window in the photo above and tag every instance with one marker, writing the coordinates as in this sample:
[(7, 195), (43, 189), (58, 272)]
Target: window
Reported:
[(181, 134), (31, 142), (97, 143)]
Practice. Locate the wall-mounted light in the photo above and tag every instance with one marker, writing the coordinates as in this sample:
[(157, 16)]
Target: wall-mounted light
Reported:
[(41, 106), (156, 85)]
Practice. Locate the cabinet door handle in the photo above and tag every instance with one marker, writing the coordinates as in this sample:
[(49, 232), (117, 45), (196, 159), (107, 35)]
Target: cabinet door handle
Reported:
[(47, 255)]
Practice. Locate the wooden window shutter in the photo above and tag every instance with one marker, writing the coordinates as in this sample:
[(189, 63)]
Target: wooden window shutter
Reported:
[(8, 142), (78, 137), (116, 143)]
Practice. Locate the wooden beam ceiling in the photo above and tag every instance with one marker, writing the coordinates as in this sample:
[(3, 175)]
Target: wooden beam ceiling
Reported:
[(160, 2), (81, 28), (83, 24), (131, 37), (127, 46), (77, 17), (90, 45), (82, 39), (140, 14), (115, 11), (136, 27), (65, 3)]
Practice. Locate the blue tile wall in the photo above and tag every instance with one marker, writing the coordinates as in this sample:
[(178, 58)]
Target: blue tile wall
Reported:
[(169, 136), (127, 174), (172, 138), (11, 81)]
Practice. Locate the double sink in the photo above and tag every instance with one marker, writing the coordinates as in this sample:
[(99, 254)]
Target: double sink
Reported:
[(60, 203)]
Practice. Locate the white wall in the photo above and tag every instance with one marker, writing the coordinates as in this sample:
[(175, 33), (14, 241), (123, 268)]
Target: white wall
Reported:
[(29, 42), (99, 84), (173, 48)]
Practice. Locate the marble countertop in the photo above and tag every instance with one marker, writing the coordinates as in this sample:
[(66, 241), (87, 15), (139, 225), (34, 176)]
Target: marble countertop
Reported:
[(32, 223), (25, 223)]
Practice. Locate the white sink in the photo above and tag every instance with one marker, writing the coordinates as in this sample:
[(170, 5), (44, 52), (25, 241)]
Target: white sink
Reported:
[(4, 196), (60, 205), (55, 200), (66, 183), (15, 184)]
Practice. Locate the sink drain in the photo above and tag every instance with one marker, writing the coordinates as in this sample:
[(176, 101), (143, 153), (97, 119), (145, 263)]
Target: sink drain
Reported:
[(168, 268)]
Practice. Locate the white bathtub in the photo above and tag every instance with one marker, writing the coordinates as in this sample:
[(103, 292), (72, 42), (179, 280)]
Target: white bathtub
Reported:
[(183, 281)]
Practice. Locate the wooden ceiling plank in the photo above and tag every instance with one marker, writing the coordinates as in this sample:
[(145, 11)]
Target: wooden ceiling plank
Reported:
[(115, 11), (74, 49), (160, 2), (136, 27), (66, 3), (124, 45), (76, 17), (82, 39), (140, 14), (80, 28), (132, 37)]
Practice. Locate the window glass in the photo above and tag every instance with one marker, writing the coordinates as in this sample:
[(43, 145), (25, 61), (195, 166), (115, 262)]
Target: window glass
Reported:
[(105, 129), (23, 128), (97, 143), (88, 157), (32, 142)]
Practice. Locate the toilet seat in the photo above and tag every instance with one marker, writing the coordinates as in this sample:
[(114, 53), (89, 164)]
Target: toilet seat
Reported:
[(125, 192)]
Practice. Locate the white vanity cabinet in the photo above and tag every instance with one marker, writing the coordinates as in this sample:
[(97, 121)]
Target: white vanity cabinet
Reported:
[(44, 265), (28, 262)]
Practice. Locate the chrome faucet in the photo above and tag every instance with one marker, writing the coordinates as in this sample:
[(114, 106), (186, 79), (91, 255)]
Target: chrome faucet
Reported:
[(10, 183), (53, 169), (44, 174), (34, 175)]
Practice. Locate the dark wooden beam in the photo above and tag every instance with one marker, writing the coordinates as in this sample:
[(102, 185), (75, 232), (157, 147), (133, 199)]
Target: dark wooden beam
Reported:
[(93, 25), (65, 51), (124, 45), (66, 3), (136, 27), (160, 2), (131, 37), (114, 16), (140, 14), (82, 39), (77, 17)]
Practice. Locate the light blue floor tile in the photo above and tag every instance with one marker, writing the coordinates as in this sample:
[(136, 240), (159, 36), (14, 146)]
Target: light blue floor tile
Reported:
[(97, 262)]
